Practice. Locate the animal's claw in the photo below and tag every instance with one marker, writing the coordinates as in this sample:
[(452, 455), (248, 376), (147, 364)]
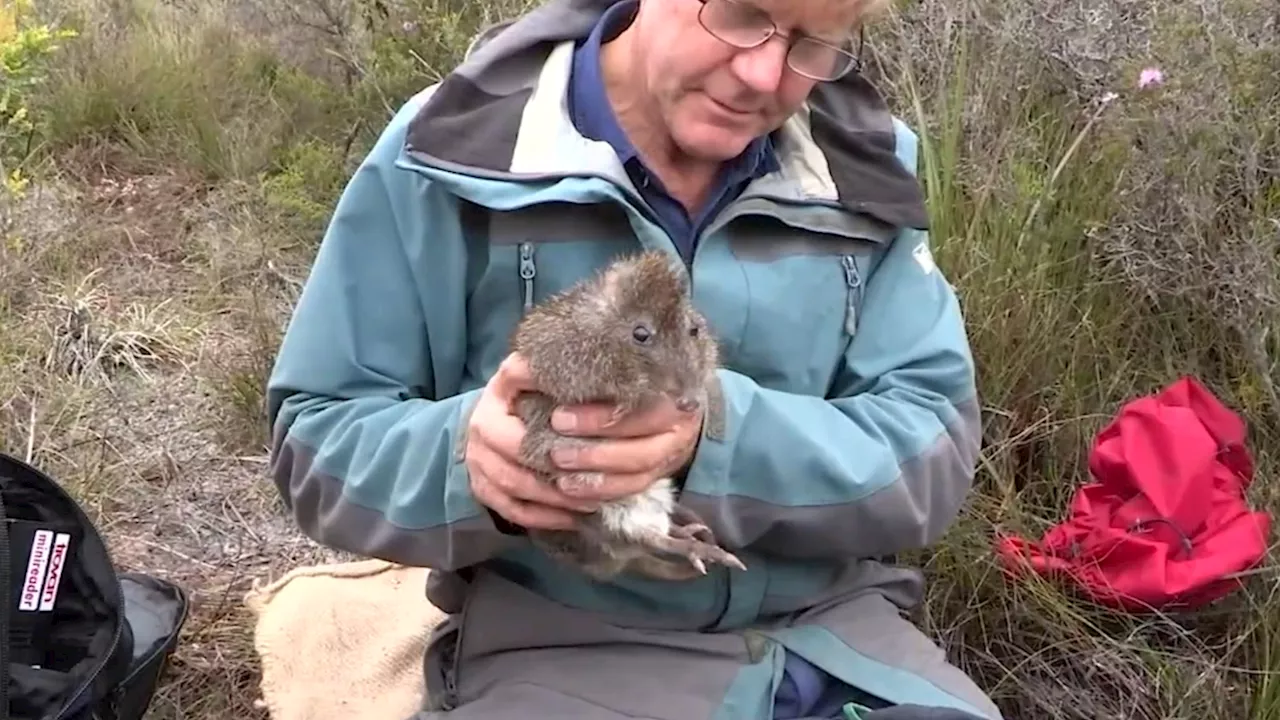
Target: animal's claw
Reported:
[(616, 415), (697, 563), (682, 542), (699, 552), (694, 531)]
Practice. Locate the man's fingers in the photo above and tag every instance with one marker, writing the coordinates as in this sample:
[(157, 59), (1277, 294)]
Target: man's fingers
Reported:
[(518, 483), (511, 378), (539, 493), (517, 510), (500, 432), (601, 420), (529, 515), (499, 480), (623, 456), (486, 493), (613, 487)]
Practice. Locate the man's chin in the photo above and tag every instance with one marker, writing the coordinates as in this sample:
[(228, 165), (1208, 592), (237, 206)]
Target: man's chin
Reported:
[(713, 143)]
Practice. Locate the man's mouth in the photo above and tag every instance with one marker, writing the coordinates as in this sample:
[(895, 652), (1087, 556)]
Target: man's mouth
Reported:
[(728, 109)]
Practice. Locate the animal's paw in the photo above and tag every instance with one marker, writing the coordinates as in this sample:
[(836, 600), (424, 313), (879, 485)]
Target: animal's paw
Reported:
[(694, 531), (574, 482), (699, 553), (684, 541)]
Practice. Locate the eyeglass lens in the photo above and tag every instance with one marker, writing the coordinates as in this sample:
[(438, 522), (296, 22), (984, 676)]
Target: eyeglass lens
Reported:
[(745, 26)]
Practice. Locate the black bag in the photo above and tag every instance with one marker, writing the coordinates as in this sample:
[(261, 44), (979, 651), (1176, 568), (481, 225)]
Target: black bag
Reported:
[(78, 641)]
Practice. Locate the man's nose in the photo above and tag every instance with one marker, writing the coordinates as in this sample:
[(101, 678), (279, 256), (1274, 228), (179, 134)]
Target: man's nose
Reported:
[(761, 67)]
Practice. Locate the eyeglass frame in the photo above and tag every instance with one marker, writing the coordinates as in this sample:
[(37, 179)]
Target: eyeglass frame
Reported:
[(855, 58)]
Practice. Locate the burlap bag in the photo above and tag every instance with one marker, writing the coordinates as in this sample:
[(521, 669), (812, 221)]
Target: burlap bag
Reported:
[(343, 641)]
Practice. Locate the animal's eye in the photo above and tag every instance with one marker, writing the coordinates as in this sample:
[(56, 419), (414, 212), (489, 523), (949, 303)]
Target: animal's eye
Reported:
[(641, 334)]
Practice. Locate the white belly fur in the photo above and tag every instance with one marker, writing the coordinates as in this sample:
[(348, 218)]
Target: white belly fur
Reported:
[(643, 513)]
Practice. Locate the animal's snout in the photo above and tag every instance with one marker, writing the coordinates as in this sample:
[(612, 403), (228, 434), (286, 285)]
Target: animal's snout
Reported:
[(686, 404)]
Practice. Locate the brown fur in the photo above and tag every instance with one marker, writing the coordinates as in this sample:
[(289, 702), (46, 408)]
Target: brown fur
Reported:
[(581, 347)]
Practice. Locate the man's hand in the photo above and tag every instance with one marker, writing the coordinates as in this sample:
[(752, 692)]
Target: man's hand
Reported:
[(632, 451), (498, 479)]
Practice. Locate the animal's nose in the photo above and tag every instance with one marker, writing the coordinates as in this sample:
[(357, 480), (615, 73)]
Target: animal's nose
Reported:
[(686, 404)]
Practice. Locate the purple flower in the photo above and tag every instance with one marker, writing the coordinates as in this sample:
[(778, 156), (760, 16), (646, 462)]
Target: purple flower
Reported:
[(1150, 76)]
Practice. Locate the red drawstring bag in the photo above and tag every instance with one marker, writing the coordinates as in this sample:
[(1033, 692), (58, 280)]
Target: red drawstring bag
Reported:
[(1164, 523)]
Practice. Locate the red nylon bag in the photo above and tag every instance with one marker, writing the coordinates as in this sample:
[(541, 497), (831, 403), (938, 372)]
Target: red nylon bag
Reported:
[(1164, 523)]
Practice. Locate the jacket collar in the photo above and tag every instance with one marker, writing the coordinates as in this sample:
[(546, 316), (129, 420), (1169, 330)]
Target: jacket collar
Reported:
[(503, 113)]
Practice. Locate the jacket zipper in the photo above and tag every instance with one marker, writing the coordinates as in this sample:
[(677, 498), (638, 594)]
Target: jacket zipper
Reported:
[(454, 659), (451, 675), (853, 293), (528, 269)]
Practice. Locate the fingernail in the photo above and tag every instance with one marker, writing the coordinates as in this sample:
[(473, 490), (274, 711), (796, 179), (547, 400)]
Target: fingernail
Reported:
[(563, 420), (564, 457)]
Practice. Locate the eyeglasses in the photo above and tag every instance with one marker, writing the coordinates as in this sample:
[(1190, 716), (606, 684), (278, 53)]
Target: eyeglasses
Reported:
[(744, 26)]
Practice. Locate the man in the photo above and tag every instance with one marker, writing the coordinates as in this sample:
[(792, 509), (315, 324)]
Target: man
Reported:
[(844, 428)]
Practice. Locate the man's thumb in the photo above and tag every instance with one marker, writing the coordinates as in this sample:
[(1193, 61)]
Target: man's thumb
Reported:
[(511, 378)]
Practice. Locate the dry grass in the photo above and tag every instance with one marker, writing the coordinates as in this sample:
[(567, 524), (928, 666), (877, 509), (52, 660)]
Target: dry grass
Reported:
[(123, 340), (1105, 239), (189, 158), (186, 158)]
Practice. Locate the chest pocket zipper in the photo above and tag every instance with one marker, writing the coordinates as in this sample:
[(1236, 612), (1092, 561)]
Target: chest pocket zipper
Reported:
[(853, 293), (528, 269)]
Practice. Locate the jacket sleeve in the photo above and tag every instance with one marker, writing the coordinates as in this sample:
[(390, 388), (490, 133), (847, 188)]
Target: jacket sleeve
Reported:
[(882, 464), (367, 422)]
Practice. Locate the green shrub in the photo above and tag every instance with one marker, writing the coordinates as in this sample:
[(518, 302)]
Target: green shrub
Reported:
[(26, 47)]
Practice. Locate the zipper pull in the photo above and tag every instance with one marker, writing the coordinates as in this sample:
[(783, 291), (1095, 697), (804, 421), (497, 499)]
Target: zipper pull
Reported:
[(854, 283), (527, 271)]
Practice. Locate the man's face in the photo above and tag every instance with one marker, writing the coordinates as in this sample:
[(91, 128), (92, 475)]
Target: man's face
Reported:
[(715, 98)]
